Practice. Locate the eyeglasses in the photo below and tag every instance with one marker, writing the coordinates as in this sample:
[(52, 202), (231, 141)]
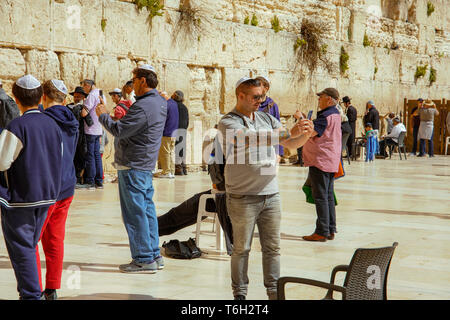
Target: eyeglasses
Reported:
[(258, 97)]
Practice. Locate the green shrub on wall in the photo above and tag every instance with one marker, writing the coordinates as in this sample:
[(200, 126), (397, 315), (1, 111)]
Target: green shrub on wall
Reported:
[(432, 75), (254, 21), (420, 71), (276, 24), (343, 60), (154, 8), (366, 41), (430, 8)]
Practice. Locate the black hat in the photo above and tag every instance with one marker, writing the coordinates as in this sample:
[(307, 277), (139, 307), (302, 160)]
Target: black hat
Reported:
[(79, 90), (346, 99)]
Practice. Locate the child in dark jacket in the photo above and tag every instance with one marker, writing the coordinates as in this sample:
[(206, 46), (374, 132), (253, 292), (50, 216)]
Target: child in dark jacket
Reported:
[(30, 156), (53, 231)]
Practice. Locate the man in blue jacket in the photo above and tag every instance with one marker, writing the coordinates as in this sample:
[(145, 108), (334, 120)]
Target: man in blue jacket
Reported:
[(53, 231), (138, 139), (31, 156), (166, 156)]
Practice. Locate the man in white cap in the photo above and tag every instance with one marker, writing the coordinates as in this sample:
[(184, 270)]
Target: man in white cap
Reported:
[(53, 231), (252, 194), (137, 141), (93, 176), (391, 139), (31, 154), (8, 108), (121, 107)]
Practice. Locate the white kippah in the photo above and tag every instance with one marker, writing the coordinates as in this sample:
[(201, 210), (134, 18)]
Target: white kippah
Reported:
[(28, 82), (242, 80), (60, 86), (147, 67), (267, 79)]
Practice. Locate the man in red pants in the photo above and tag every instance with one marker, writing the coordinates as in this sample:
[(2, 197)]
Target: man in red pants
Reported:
[(53, 231)]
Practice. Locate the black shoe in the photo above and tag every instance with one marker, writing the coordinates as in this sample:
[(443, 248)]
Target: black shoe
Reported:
[(50, 294), (239, 297), (99, 186)]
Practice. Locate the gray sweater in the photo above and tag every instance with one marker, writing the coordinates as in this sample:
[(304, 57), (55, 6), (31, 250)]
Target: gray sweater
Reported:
[(138, 134)]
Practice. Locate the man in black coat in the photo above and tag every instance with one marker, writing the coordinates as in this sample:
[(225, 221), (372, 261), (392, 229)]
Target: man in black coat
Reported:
[(372, 116), (8, 108), (183, 124), (352, 116)]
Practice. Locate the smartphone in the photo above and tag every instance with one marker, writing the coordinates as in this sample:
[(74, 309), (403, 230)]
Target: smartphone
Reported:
[(101, 93), (310, 114)]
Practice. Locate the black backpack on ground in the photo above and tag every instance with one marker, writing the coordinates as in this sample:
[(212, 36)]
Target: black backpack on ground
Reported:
[(182, 249)]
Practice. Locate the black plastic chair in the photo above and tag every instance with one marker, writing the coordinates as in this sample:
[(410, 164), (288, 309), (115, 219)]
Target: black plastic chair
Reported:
[(400, 145), (366, 277)]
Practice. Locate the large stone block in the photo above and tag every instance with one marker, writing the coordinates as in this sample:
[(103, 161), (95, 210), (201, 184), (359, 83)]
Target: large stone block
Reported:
[(280, 52), (77, 67), (25, 23), (387, 63), (175, 76), (107, 73), (127, 32), (250, 46), (44, 65), (77, 25), (12, 64), (361, 62)]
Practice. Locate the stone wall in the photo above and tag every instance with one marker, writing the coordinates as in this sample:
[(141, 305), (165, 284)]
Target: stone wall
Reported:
[(106, 39)]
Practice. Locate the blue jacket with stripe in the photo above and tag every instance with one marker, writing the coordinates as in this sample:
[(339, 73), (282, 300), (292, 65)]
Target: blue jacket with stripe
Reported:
[(31, 153)]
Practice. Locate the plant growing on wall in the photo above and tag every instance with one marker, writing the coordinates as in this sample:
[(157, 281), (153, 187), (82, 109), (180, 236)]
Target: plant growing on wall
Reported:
[(154, 8), (432, 75), (298, 43), (343, 61), (430, 8), (366, 41), (310, 46), (254, 21), (103, 24), (420, 71), (192, 22), (276, 24)]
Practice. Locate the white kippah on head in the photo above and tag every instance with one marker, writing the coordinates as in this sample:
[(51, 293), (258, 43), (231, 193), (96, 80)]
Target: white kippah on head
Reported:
[(147, 67), (265, 78), (242, 80), (28, 82), (60, 86)]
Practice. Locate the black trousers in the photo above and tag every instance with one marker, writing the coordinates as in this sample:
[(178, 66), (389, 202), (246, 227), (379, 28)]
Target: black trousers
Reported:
[(322, 187)]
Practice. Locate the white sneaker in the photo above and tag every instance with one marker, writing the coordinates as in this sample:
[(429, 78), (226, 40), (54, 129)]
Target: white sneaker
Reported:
[(165, 176)]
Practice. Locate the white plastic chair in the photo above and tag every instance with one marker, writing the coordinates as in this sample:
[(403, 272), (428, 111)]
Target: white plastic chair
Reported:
[(447, 143), (202, 212)]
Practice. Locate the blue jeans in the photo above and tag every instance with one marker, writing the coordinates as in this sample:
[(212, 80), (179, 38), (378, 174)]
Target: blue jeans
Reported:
[(430, 146), (139, 214), (94, 167)]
